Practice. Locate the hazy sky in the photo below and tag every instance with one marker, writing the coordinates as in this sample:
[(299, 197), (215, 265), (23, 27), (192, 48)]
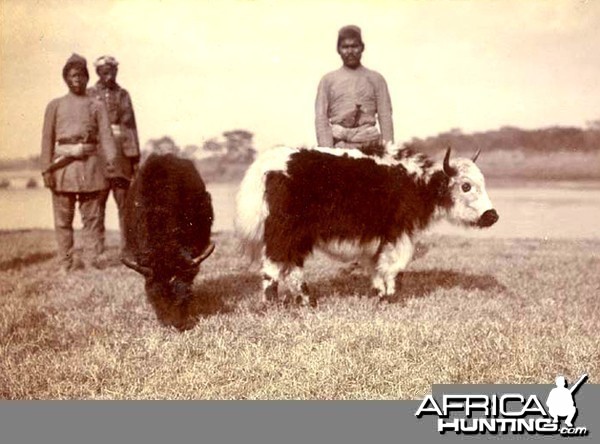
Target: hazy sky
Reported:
[(196, 68)]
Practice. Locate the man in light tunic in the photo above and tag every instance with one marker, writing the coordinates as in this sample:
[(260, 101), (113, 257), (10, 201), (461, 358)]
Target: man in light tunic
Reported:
[(352, 100)]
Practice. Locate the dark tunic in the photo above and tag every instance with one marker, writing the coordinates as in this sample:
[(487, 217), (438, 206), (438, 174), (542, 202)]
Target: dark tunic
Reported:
[(122, 118)]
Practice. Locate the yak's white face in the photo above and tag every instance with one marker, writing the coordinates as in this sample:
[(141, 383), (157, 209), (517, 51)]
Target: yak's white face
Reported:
[(471, 204)]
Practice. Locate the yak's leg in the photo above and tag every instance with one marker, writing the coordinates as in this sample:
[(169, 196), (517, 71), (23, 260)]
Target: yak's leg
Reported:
[(299, 288), (284, 252), (377, 281), (271, 274), (393, 259)]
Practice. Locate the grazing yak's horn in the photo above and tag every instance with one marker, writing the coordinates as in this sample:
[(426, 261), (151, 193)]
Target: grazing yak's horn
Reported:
[(474, 159), (447, 168), (198, 260), (137, 267)]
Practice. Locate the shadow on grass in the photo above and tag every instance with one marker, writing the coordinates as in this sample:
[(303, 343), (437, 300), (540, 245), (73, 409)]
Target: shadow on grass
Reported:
[(421, 283), (20, 262), (223, 294), (414, 284), (111, 259), (17, 231)]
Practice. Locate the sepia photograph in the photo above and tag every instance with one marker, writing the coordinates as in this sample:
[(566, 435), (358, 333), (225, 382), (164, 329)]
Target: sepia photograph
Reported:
[(298, 199)]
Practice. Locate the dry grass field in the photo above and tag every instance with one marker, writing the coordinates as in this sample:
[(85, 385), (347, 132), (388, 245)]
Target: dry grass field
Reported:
[(474, 311)]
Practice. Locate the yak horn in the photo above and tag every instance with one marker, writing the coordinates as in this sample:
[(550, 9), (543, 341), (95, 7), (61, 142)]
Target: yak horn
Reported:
[(474, 159), (137, 267), (198, 260), (447, 168)]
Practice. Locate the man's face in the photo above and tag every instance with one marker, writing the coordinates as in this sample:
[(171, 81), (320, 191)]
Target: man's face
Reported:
[(77, 81), (351, 49), (107, 74)]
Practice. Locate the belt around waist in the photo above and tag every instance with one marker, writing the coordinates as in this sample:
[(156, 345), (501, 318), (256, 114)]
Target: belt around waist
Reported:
[(76, 149)]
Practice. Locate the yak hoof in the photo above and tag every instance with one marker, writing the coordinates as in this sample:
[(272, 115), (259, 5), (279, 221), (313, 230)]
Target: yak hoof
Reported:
[(375, 293), (270, 293), (185, 324), (305, 300), (389, 298)]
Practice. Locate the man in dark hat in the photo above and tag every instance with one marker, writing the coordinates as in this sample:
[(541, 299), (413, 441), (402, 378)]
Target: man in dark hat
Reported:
[(352, 100), (123, 126), (78, 154)]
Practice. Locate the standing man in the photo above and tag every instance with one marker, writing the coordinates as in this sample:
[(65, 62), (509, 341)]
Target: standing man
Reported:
[(78, 155), (124, 130), (352, 100)]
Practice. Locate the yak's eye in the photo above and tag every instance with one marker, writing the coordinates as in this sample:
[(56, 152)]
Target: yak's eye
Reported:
[(466, 187)]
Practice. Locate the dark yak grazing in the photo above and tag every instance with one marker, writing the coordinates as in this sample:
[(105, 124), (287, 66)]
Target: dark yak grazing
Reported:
[(168, 220), (353, 207)]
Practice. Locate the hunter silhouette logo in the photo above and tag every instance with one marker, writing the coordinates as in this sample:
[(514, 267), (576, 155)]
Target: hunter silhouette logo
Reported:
[(561, 401), (506, 413)]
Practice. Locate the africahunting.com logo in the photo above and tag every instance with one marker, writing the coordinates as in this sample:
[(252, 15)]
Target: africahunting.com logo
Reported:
[(509, 413)]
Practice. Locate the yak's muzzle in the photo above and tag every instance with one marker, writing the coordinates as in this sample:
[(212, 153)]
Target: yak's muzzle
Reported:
[(487, 219)]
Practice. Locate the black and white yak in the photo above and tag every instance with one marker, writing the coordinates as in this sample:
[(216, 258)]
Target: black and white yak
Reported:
[(167, 226), (352, 207)]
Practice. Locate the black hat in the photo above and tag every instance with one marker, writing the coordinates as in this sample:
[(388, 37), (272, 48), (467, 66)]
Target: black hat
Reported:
[(349, 32), (75, 61)]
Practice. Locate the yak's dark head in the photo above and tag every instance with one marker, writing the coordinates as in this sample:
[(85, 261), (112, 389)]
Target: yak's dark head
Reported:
[(169, 288), (469, 203)]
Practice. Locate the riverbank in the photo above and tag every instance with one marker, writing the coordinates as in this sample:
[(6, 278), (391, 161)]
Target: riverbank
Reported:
[(546, 210)]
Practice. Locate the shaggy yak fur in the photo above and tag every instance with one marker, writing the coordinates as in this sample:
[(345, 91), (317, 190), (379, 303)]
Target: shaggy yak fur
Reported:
[(353, 207), (167, 225)]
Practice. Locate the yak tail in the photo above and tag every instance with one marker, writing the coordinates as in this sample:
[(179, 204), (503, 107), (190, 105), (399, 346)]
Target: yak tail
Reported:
[(252, 208), (252, 211)]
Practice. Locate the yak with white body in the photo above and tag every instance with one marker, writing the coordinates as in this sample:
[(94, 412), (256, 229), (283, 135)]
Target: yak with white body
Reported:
[(353, 207)]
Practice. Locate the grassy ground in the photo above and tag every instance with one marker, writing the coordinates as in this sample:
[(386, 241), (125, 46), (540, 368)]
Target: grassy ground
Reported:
[(475, 311)]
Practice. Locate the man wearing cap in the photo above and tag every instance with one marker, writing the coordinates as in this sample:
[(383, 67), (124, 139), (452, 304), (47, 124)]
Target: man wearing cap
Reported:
[(123, 126), (78, 154), (352, 100)]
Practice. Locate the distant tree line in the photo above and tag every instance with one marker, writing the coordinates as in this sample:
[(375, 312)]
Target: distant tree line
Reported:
[(22, 163), (222, 160), (237, 145), (508, 138)]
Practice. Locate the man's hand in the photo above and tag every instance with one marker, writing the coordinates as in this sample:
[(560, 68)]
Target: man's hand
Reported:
[(49, 181)]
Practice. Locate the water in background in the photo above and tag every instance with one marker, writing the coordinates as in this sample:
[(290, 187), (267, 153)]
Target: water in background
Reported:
[(565, 210), (22, 208)]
